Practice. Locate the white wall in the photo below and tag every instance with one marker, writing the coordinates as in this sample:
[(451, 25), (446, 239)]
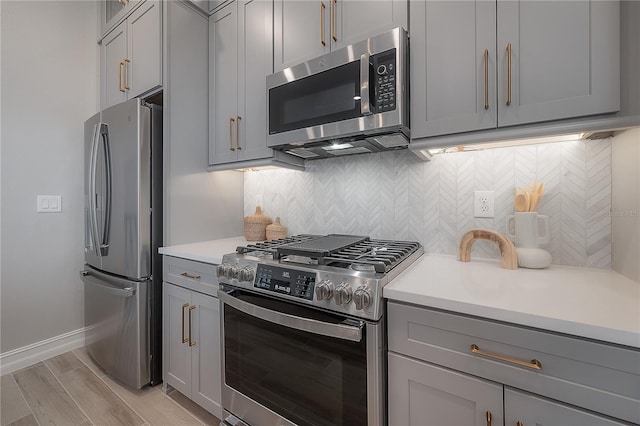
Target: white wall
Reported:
[(625, 211), (49, 71)]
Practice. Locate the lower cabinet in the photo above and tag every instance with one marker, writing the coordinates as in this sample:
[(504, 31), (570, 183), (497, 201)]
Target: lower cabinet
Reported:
[(192, 345), (450, 369)]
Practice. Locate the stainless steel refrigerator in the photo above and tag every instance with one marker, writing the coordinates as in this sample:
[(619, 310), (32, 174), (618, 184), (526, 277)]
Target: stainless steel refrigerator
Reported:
[(122, 274)]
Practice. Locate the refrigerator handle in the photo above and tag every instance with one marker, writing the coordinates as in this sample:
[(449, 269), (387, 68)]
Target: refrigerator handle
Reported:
[(93, 209), (106, 230), (86, 277)]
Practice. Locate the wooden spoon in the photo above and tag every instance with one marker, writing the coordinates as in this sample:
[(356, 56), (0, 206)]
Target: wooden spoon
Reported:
[(539, 192), (533, 201), (521, 201)]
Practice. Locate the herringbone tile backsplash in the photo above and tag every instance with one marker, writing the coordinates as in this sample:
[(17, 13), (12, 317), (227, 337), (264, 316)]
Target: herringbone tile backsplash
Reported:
[(394, 195)]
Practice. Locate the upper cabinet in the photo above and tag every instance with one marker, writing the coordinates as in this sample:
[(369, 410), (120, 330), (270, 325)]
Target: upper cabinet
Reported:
[(306, 29), (131, 56), (112, 11), (479, 65), (241, 56)]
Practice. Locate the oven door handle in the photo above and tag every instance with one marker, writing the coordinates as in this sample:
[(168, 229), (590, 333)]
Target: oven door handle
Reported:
[(339, 331)]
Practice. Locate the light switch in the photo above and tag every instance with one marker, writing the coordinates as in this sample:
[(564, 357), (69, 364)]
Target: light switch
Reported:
[(49, 203)]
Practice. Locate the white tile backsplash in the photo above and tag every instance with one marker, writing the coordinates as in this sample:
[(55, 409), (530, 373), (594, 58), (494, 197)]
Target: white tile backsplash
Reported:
[(396, 196)]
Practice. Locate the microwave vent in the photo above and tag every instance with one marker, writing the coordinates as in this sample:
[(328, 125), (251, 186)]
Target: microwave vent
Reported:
[(390, 141), (303, 153), (349, 151)]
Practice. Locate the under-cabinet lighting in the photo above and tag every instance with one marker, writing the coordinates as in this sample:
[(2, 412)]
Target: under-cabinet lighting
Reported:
[(507, 143), (335, 146)]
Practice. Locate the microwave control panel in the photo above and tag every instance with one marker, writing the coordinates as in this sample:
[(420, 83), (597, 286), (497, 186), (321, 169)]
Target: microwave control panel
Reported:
[(384, 73)]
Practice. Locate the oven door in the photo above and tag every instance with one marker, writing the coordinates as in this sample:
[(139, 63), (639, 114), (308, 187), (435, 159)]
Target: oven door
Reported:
[(285, 364)]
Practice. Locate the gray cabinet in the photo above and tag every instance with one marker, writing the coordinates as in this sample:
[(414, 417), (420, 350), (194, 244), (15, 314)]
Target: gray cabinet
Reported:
[(191, 332), (480, 65), (560, 379), (241, 56), (306, 29), (113, 11), (131, 56), (424, 394)]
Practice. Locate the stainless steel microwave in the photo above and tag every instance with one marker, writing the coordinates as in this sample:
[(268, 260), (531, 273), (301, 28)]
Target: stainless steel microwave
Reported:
[(350, 101)]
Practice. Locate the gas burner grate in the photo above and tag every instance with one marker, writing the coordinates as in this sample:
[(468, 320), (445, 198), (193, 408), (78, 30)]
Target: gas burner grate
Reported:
[(378, 255), (272, 246)]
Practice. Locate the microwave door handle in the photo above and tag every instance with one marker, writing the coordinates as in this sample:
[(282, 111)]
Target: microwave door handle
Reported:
[(365, 105), (339, 331), (106, 231), (93, 208)]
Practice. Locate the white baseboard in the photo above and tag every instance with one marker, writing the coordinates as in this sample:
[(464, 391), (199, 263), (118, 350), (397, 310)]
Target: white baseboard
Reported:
[(36, 352)]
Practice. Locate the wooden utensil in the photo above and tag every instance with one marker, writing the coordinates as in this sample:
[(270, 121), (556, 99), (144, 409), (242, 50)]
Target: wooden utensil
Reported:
[(521, 201)]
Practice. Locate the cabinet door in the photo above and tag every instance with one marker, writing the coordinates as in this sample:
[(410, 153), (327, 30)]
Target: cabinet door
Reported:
[(177, 355), (526, 409), (206, 389), (453, 89), (353, 21), (112, 11), (564, 59), (144, 37), (422, 394), (255, 62), (301, 31), (113, 52), (223, 89)]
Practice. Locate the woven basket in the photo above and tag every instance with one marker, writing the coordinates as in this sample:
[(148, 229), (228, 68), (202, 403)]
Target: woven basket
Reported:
[(276, 230), (255, 226)]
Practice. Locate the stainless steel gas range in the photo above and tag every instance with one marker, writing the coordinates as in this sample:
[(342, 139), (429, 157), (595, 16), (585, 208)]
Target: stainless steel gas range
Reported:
[(303, 329)]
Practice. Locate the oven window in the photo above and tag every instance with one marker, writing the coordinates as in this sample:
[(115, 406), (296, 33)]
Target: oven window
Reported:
[(329, 96), (304, 377)]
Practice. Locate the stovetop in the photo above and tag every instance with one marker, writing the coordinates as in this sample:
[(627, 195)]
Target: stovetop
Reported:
[(339, 273)]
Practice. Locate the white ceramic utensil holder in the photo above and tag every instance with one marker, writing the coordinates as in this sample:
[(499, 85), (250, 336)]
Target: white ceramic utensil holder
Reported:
[(527, 238)]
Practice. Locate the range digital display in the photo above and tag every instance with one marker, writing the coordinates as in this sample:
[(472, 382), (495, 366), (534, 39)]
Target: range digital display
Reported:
[(286, 281)]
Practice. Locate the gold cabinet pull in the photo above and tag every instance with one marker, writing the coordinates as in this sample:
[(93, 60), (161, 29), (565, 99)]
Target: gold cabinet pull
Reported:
[(231, 120), (184, 340), (322, 8), (193, 277), (333, 20), (534, 363), (508, 73), (238, 118), (488, 418), (519, 423), (126, 80), (191, 308), (120, 67), (486, 78)]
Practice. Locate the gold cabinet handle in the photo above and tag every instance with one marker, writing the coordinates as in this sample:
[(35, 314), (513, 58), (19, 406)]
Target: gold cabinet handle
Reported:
[(519, 423), (508, 73), (486, 78), (126, 80), (120, 66), (193, 277), (534, 363), (191, 342), (488, 418), (238, 118), (184, 340), (333, 20), (322, 8), (231, 120)]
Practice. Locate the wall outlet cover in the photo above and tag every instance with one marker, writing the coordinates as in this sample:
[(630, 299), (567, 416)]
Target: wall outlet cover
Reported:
[(484, 204)]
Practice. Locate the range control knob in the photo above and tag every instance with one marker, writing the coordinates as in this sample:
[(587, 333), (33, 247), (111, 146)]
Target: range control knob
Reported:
[(362, 298), (246, 274), (224, 270), (382, 69), (220, 269), (343, 293), (233, 271), (324, 290)]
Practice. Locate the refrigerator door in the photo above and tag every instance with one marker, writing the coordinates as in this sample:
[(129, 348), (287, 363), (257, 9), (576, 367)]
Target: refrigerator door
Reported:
[(117, 336), (124, 150), (92, 179)]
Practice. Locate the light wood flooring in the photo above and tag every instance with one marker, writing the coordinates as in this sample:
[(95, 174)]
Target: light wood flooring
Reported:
[(70, 389)]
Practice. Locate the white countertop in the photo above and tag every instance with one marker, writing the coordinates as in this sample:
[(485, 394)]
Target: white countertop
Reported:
[(592, 303), (205, 251)]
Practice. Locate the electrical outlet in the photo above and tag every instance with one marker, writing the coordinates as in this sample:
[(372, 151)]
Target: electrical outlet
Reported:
[(483, 204)]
